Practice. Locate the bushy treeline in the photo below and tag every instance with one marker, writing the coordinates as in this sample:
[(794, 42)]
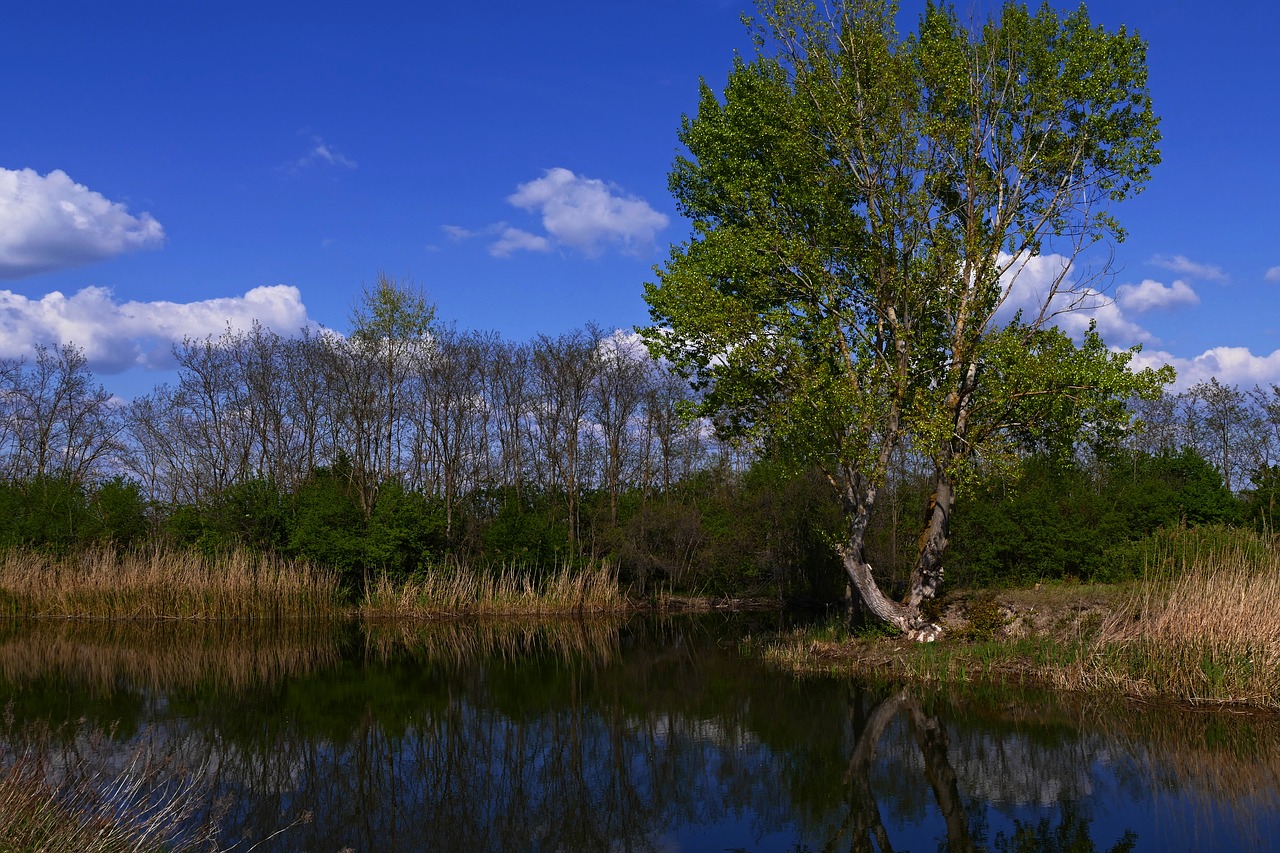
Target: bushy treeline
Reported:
[(408, 446)]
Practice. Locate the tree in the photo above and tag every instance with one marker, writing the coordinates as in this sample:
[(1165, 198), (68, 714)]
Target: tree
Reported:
[(393, 324), (1222, 427), (868, 213), (57, 422), (391, 332)]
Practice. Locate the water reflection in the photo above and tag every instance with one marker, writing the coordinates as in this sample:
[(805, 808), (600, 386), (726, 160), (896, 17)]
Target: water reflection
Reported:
[(637, 735)]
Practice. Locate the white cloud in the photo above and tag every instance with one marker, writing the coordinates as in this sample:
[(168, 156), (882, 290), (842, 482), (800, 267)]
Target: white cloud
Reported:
[(457, 232), (624, 343), (588, 214), (321, 153), (1186, 266), (52, 223), (1272, 274), (1046, 282), (1150, 295), (1230, 365), (515, 240), (116, 336)]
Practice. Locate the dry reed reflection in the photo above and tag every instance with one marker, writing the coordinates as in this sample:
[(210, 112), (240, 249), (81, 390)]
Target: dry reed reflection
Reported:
[(477, 640), (161, 656)]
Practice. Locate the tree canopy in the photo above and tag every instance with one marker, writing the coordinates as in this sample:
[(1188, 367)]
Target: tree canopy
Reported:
[(885, 229)]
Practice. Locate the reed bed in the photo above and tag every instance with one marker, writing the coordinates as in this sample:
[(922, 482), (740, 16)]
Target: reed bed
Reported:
[(164, 584), (101, 654), (1203, 627), (506, 591)]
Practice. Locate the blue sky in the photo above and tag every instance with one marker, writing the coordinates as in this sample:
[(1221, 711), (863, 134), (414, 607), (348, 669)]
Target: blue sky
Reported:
[(172, 166)]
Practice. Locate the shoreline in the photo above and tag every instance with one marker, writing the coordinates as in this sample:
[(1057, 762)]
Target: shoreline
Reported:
[(1060, 638)]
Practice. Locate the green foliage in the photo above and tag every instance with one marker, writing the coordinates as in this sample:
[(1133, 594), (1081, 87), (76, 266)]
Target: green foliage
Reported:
[(328, 526), (1260, 503), (252, 514), (56, 515), (1057, 520), (1170, 550), (48, 513), (524, 532), (986, 620), (390, 311), (406, 532), (120, 512)]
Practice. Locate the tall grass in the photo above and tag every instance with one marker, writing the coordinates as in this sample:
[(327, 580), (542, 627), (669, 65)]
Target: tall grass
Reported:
[(506, 591), (1203, 625), (159, 583)]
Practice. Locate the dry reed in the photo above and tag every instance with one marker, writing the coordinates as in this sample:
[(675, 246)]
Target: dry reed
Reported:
[(159, 584), (1203, 627), (508, 591)]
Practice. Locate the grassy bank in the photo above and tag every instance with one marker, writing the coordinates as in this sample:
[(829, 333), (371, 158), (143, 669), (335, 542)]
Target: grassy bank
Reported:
[(1202, 626)]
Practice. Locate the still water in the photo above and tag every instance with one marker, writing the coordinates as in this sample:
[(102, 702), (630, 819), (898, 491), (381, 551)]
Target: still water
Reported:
[(646, 735)]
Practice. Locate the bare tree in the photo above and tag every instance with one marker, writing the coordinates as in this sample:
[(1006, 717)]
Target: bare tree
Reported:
[(1221, 426), (621, 382), (62, 423), (449, 416), (564, 369)]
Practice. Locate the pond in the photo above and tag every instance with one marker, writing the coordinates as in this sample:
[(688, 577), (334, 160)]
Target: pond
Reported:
[(639, 734)]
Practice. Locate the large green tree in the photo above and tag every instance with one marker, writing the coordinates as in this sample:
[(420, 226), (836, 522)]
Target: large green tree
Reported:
[(863, 206)]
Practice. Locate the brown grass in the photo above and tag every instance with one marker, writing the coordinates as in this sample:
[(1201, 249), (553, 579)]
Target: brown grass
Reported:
[(1204, 627), (164, 584), (508, 591)]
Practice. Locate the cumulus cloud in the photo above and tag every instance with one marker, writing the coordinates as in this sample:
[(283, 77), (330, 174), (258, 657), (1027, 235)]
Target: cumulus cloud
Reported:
[(1046, 282), (1150, 295), (50, 223), (1230, 365), (1191, 269), (116, 336), (516, 240), (588, 214), (1272, 274)]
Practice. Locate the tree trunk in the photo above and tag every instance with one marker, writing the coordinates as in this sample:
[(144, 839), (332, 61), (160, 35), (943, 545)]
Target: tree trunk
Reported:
[(906, 617), (926, 576)]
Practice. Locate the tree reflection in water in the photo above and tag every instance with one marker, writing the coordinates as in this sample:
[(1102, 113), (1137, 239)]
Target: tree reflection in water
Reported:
[(638, 736), (866, 831)]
